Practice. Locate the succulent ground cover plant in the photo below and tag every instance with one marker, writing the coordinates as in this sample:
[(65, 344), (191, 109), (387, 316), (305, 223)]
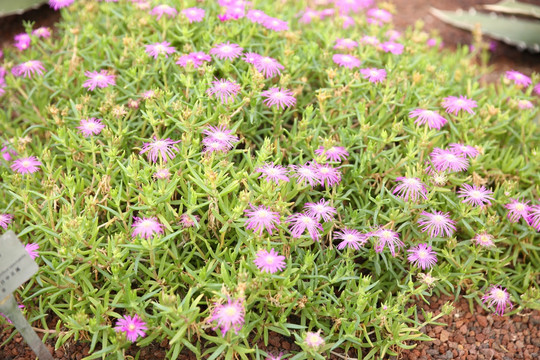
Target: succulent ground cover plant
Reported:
[(206, 173)]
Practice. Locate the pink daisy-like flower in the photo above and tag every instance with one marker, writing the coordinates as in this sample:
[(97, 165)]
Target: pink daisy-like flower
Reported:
[(32, 250), (453, 104), (475, 196), (347, 61), (268, 66), (536, 89), (149, 94), (162, 148), (314, 340), (201, 56), (187, 220), (2, 86), (369, 40), (146, 227), (346, 6), (22, 41), (28, 68), (100, 79), (483, 239), (6, 153), (534, 217), (393, 35), (342, 44), (229, 315), (58, 4), (324, 13), (379, 14), (351, 238), (306, 173), (374, 75), (524, 104), (194, 14), (221, 134), (334, 153), (261, 217), (275, 24), (184, 60), (133, 327), (226, 51), (517, 209), (320, 210), (444, 160), (163, 9), (437, 223), (256, 16), (273, 173), (277, 96), (269, 262), (5, 220), (388, 238), (464, 150), (42, 32), (518, 78), (212, 145), (328, 175), (162, 174), (91, 126), (429, 117), (431, 42), (392, 47), (160, 48), (308, 15), (300, 222), (251, 57), (234, 13), (26, 165), (422, 256), (224, 90), (410, 188), (498, 296)]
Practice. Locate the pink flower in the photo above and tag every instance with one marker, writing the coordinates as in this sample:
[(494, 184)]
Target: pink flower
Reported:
[(518, 78), (194, 14), (28, 68), (306, 173), (101, 79), (22, 41), (160, 48), (380, 15), (275, 24), (162, 174), (308, 15), (251, 57), (464, 150), (146, 227), (58, 4), (42, 32), (351, 238), (91, 126), (133, 327), (320, 210), (525, 104), (453, 104), (534, 217), (369, 40), (345, 60), (260, 218), (475, 196), (32, 250), (327, 13), (328, 175), (268, 66), (269, 262), (447, 160), (226, 51), (437, 223), (374, 75), (7, 153), (517, 209), (277, 96), (212, 145), (499, 297), (273, 173), (233, 13), (256, 16), (536, 89), (334, 153), (387, 238), (300, 222), (314, 340), (392, 47), (429, 117), (221, 134), (229, 315), (201, 56), (184, 60), (484, 239), (393, 35), (149, 94), (163, 9), (5, 220), (160, 148), (346, 6), (410, 188), (422, 256), (345, 44), (26, 165), (225, 90), (187, 220)]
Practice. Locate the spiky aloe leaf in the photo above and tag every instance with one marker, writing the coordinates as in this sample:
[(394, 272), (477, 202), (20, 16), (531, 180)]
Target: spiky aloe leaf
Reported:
[(11, 7), (525, 34), (515, 7)]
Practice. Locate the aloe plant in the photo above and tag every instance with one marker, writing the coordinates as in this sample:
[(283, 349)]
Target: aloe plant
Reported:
[(10, 7), (515, 7), (523, 33)]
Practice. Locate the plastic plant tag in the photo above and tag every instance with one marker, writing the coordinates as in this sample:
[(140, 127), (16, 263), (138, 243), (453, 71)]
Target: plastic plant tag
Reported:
[(16, 267)]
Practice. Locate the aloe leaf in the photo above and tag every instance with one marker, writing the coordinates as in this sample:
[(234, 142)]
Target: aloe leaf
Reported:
[(524, 34), (11, 7), (515, 7)]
